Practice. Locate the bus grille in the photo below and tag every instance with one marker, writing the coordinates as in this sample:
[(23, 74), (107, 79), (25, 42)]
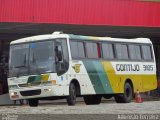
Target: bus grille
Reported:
[(30, 92)]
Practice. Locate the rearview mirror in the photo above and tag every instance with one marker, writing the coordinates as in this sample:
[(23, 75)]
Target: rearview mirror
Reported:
[(58, 54)]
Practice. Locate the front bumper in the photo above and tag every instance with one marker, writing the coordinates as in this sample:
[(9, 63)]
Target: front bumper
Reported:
[(38, 92)]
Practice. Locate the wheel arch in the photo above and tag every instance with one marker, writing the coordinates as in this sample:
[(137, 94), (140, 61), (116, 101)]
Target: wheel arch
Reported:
[(77, 85)]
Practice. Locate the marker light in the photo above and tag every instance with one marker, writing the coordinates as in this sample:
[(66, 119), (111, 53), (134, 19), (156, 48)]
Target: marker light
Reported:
[(49, 89), (53, 82)]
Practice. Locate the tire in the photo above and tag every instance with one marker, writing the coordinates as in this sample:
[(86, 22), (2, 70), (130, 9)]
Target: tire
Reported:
[(92, 99), (118, 98), (21, 102), (108, 96), (71, 99), (127, 96), (33, 102)]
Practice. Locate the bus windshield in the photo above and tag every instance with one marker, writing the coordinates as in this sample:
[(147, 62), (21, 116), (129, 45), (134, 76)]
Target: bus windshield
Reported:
[(32, 58)]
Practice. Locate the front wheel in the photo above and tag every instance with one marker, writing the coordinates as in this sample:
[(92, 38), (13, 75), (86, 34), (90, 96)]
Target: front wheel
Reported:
[(92, 99), (33, 102), (108, 96), (127, 96), (71, 99)]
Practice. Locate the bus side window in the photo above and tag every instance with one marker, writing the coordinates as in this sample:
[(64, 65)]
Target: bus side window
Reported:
[(91, 50), (121, 51), (134, 52), (65, 53), (146, 52), (77, 50), (107, 51)]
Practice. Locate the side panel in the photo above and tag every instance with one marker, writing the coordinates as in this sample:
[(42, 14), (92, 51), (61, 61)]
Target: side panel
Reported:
[(109, 77), (142, 75), (77, 71), (115, 80), (98, 77)]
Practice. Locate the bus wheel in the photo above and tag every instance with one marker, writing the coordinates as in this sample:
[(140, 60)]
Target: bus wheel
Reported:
[(118, 98), (127, 96), (108, 96), (92, 99), (71, 99), (33, 102)]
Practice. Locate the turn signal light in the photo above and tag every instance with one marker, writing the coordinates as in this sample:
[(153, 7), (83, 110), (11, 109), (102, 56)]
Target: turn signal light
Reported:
[(53, 82)]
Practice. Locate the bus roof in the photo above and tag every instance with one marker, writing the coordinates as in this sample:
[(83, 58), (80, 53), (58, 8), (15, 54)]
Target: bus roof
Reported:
[(79, 37), (133, 40)]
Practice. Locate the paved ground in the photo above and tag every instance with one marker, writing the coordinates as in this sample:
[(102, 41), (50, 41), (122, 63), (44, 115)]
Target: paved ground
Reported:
[(107, 109)]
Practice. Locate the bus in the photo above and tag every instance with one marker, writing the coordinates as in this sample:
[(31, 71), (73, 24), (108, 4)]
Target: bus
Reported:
[(58, 65)]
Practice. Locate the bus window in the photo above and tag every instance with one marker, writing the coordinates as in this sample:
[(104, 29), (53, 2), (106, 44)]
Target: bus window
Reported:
[(146, 52), (107, 51), (65, 52), (91, 50), (74, 50), (134, 52), (18, 60), (41, 57), (122, 52), (77, 49)]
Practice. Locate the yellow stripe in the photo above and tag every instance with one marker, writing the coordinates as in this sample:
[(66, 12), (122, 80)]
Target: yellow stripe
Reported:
[(141, 82)]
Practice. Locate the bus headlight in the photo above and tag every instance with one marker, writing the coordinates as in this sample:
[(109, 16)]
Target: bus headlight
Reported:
[(14, 95), (48, 90)]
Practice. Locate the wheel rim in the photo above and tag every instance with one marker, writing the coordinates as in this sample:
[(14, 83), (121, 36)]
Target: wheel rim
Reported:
[(128, 92)]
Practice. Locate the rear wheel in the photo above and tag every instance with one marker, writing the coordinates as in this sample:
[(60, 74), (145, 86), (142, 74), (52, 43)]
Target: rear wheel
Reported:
[(92, 99), (127, 96), (33, 102), (118, 98), (108, 96), (71, 99)]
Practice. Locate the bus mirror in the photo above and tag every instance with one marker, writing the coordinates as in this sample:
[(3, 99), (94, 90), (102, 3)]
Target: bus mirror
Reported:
[(59, 55)]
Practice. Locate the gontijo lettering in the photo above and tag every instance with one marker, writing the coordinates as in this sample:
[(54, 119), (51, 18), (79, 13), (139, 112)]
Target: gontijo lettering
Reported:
[(127, 67)]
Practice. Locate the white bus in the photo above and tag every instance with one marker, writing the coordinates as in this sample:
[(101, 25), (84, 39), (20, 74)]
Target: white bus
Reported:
[(67, 66)]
